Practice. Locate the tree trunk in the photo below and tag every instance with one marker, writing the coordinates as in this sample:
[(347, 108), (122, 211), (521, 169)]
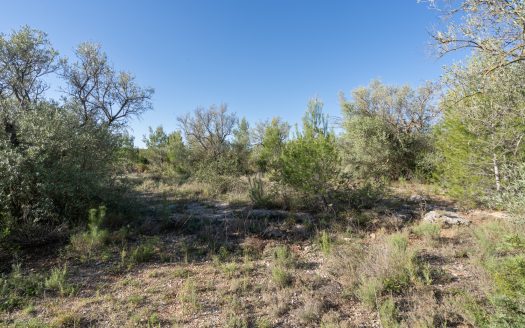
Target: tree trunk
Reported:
[(496, 171)]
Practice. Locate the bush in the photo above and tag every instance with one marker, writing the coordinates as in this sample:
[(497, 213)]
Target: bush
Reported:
[(58, 281), (310, 162), (258, 193), (387, 131), (502, 258)]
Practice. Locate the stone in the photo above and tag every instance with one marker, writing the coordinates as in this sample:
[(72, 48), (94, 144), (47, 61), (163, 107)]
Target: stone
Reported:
[(445, 217)]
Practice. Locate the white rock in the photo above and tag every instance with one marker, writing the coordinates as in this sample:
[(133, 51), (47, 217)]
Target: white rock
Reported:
[(445, 217)]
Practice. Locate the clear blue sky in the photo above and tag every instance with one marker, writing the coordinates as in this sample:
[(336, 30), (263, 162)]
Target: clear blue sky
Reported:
[(263, 58)]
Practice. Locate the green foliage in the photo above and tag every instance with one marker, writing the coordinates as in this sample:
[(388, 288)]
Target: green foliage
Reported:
[(310, 162), (166, 153), (188, 296), (258, 192), (58, 281), (87, 243), (388, 314), (144, 252), (479, 139), (283, 261), (57, 159), (325, 242), (389, 267), (270, 138), (502, 258), (241, 147), (17, 288), (217, 173), (387, 131)]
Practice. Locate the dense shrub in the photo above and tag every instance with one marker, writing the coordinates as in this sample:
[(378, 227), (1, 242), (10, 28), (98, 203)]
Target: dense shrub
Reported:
[(387, 131), (480, 137), (58, 170), (310, 162), (57, 160)]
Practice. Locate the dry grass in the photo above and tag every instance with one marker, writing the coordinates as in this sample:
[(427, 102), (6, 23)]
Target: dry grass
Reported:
[(219, 275)]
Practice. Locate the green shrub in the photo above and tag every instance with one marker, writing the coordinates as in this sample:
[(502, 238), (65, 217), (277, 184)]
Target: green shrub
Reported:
[(258, 194), (388, 314), (281, 276), (389, 267), (88, 243), (310, 163), (325, 242), (283, 262), (188, 296), (16, 288), (499, 251), (143, 253), (386, 131), (58, 281)]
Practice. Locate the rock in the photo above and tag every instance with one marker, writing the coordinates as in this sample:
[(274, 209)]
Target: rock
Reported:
[(445, 217), (417, 198), (273, 233)]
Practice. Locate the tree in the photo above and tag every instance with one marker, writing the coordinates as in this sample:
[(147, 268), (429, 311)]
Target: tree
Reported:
[(310, 162), (26, 57), (166, 153), (269, 138), (177, 153), (387, 129), (494, 28), (242, 146), (207, 131), (54, 165), (481, 136), (101, 94)]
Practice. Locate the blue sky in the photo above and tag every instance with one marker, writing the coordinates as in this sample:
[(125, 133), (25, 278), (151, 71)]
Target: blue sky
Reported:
[(263, 58)]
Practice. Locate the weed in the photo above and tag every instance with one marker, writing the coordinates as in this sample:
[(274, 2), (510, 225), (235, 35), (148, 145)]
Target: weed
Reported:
[(188, 296), (87, 243), (144, 252), (311, 311), (325, 243), (230, 269), (181, 272), (263, 323), (427, 230), (283, 257), (388, 314), (236, 321), (57, 281), (153, 321), (16, 288)]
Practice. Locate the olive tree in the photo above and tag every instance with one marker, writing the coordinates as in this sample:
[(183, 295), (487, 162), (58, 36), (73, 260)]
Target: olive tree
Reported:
[(102, 94), (495, 28), (55, 164), (387, 129)]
